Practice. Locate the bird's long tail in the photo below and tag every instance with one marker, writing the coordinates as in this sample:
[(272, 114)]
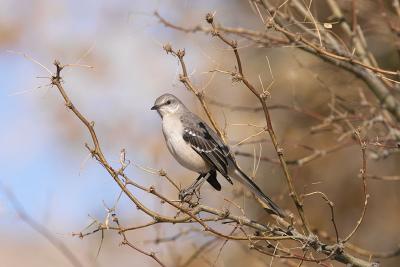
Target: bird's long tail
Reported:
[(240, 176)]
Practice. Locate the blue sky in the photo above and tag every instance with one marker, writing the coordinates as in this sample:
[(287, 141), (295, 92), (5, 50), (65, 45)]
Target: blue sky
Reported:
[(37, 164), (42, 157)]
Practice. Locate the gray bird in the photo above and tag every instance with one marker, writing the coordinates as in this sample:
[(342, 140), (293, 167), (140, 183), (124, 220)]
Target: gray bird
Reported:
[(198, 148)]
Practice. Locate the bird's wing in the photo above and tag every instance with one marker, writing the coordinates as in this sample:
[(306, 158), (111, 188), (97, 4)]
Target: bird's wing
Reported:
[(206, 143), (213, 150)]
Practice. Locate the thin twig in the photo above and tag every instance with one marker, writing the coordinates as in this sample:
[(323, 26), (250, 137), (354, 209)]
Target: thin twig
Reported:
[(363, 172), (184, 78), (331, 207), (125, 241)]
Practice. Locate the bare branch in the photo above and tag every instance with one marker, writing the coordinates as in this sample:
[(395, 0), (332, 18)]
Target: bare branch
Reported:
[(262, 99), (184, 78), (363, 173)]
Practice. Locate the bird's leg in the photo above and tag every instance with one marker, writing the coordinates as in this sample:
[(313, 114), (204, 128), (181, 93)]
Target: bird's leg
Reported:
[(192, 188)]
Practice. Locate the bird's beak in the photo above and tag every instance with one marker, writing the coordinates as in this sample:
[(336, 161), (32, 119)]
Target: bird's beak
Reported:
[(155, 107)]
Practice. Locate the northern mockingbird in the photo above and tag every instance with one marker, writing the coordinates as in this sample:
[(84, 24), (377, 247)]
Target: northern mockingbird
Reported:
[(198, 148)]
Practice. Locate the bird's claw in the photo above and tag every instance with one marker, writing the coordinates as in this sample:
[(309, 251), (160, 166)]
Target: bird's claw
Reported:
[(185, 193), (186, 196)]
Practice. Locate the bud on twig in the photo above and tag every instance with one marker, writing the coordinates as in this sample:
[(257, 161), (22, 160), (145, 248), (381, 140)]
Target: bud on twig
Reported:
[(210, 18)]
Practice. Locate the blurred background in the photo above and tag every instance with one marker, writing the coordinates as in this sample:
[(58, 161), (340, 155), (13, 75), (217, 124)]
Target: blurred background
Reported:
[(45, 165)]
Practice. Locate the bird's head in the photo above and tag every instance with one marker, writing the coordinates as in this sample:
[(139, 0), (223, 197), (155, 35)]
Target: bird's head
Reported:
[(168, 104)]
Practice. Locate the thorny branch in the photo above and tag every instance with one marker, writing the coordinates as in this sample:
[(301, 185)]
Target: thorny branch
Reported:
[(240, 76), (360, 61), (263, 233), (332, 51), (277, 239), (338, 56), (184, 78), (125, 241)]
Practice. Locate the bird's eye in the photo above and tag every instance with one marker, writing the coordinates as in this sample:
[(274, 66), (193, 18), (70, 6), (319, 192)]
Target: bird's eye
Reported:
[(168, 102)]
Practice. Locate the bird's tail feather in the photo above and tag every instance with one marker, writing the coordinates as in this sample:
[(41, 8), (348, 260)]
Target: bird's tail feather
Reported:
[(240, 176)]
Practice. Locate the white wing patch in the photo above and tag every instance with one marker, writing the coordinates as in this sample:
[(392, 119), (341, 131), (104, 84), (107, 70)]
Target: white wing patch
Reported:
[(190, 132)]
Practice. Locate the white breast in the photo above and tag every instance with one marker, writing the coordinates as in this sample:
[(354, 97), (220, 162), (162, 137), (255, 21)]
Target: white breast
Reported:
[(182, 151)]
